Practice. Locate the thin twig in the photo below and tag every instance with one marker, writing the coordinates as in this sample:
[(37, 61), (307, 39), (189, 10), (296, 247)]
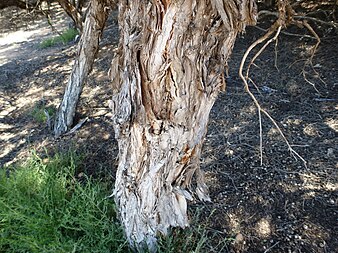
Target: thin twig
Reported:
[(260, 136), (276, 54), (254, 84), (48, 119), (268, 249), (309, 61), (289, 34), (308, 26), (253, 45), (275, 28), (262, 39), (49, 20), (335, 25), (301, 21), (77, 126), (299, 17)]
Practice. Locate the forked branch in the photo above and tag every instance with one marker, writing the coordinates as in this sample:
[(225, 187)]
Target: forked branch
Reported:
[(284, 18)]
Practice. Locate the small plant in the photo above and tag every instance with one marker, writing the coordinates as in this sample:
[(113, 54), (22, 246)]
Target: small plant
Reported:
[(39, 113), (48, 205), (197, 238), (64, 38), (45, 208), (69, 35)]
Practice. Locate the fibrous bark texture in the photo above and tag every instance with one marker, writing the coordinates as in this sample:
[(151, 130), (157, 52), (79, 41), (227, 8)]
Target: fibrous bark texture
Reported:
[(170, 68), (87, 49), (73, 11)]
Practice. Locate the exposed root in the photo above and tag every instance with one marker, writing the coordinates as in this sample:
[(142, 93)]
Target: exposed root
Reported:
[(309, 62), (270, 36)]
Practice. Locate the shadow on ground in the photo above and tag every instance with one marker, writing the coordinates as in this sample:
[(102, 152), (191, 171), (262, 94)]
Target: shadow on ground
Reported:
[(280, 206)]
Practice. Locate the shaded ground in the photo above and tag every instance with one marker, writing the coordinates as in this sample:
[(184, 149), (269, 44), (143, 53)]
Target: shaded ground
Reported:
[(281, 206)]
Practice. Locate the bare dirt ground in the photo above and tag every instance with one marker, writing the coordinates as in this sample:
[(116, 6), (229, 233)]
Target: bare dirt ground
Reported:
[(281, 206)]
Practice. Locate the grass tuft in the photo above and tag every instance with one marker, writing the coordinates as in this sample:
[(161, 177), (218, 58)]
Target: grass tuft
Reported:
[(44, 208), (64, 38), (38, 112), (195, 239)]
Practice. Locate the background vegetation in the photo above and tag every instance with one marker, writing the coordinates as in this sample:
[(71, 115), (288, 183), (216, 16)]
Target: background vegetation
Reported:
[(57, 203), (48, 205)]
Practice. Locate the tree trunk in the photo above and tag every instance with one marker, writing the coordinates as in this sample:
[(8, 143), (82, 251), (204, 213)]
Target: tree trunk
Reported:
[(73, 12), (170, 69), (88, 47)]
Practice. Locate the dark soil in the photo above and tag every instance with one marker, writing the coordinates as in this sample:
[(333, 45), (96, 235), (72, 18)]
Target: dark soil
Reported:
[(280, 206)]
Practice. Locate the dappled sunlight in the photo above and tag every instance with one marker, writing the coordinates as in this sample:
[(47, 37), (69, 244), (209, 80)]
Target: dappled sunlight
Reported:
[(306, 49), (5, 111), (101, 75), (32, 96), (7, 136), (294, 121), (312, 130), (210, 177), (65, 68), (332, 123), (11, 146), (319, 183), (14, 44), (6, 127), (34, 78), (4, 58), (234, 223), (256, 207), (251, 109), (281, 205), (18, 36), (93, 92), (273, 133), (315, 233), (263, 228), (29, 76)]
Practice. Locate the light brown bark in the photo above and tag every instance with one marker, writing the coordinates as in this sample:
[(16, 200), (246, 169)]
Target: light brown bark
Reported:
[(170, 69), (87, 49), (73, 12)]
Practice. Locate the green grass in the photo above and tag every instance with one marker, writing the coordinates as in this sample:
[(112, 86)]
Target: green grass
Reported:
[(198, 238), (64, 38), (39, 115), (46, 207)]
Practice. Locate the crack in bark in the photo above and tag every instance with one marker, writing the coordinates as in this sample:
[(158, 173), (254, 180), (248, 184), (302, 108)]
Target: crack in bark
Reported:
[(172, 57)]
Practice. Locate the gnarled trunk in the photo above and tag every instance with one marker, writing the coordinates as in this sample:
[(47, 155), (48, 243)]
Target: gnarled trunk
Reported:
[(87, 49), (169, 71)]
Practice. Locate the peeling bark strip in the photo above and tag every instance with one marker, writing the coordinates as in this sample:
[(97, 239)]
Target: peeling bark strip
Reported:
[(170, 69), (87, 49)]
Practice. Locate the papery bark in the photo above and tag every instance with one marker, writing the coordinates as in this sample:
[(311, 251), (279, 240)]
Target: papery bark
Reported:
[(169, 71), (87, 49)]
